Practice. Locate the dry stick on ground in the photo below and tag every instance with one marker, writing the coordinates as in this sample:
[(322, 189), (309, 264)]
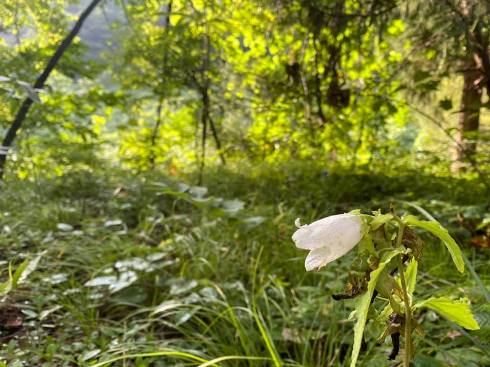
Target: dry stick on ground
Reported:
[(39, 84)]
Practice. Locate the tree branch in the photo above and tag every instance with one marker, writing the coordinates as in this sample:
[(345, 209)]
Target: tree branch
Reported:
[(39, 84)]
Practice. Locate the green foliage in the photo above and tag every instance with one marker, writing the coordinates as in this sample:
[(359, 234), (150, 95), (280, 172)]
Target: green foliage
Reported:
[(200, 265), (439, 231), (19, 276), (457, 311), (315, 107), (364, 302)]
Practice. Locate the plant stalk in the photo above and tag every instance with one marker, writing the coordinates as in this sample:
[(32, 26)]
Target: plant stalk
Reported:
[(406, 300)]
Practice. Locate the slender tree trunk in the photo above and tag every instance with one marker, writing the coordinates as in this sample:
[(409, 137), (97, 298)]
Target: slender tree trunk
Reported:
[(318, 90), (158, 118), (216, 140), (469, 119), (205, 100), (204, 123), (154, 134), (39, 84)]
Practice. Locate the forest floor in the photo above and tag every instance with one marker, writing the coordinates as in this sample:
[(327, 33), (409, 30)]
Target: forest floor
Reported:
[(146, 270)]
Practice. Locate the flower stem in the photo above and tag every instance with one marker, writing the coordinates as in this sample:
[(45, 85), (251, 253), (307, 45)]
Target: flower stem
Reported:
[(406, 300)]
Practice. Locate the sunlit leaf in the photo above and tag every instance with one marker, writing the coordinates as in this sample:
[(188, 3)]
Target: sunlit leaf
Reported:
[(457, 311), (439, 231), (411, 275), (25, 269)]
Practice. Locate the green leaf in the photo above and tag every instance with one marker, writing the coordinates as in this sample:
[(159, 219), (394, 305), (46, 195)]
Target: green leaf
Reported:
[(411, 275), (18, 272), (25, 269), (366, 245), (6, 286), (439, 231), (380, 219), (457, 311), (426, 361), (233, 206), (362, 306)]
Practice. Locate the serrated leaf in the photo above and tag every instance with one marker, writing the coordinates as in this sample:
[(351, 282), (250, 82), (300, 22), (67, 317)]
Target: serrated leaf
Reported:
[(362, 306), (439, 231), (457, 311)]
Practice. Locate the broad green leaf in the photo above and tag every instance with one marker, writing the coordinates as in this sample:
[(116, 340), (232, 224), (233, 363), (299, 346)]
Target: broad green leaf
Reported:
[(439, 231), (362, 306), (457, 311)]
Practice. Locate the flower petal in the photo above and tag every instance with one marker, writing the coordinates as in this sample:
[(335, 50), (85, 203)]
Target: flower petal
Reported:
[(342, 230), (318, 258)]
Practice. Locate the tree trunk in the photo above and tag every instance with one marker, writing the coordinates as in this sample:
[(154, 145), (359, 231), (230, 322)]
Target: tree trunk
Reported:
[(39, 84), (217, 140), (469, 120), (204, 122), (158, 117), (155, 132)]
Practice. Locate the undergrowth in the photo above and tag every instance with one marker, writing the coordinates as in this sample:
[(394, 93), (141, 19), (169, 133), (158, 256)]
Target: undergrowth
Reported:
[(144, 270)]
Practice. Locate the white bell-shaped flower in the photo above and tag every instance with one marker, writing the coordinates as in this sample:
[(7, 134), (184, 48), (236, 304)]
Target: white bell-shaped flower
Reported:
[(328, 238)]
